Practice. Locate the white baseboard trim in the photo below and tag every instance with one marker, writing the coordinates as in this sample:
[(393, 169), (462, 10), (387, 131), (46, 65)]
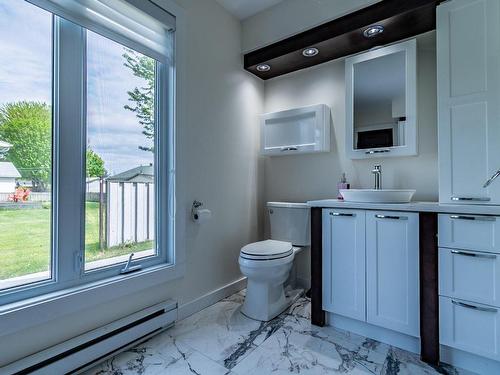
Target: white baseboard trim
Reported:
[(210, 298), (387, 336)]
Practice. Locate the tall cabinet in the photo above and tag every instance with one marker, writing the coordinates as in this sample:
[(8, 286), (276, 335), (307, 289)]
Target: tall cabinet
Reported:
[(468, 71)]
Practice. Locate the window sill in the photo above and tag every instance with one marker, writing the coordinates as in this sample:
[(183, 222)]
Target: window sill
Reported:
[(95, 265), (38, 310)]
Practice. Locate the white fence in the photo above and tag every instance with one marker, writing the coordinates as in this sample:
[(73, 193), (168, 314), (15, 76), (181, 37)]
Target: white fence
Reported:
[(129, 212), (34, 197), (46, 197)]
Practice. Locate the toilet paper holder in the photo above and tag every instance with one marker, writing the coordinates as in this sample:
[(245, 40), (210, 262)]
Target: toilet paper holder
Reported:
[(194, 208), (200, 215)]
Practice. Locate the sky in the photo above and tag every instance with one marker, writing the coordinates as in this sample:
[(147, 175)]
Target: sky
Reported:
[(26, 74)]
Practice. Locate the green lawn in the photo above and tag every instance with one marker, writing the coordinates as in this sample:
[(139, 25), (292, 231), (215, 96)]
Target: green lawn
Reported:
[(25, 241)]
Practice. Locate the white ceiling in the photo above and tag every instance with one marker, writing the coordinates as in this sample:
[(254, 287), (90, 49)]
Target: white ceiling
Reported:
[(245, 8)]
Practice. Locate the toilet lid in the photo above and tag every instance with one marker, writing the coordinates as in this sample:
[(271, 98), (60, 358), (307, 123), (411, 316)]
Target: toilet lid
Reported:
[(266, 250)]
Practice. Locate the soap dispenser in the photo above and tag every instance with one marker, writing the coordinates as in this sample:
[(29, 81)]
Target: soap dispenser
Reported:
[(342, 185)]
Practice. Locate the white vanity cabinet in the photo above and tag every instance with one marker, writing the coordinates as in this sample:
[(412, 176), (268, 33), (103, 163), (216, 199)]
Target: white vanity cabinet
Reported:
[(471, 327), (468, 83), (384, 289), (392, 270), (344, 262), (469, 279)]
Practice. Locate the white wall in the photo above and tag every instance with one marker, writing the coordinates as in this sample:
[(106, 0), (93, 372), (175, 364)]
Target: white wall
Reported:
[(217, 163), (293, 16), (315, 176)]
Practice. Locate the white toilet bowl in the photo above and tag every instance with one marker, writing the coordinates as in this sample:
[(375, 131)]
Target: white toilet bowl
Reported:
[(266, 265)]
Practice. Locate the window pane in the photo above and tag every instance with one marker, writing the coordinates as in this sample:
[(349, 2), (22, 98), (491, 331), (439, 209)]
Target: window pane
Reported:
[(120, 199), (25, 143)]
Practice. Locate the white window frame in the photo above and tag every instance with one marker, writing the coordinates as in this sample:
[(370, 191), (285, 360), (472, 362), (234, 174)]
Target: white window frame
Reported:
[(69, 279)]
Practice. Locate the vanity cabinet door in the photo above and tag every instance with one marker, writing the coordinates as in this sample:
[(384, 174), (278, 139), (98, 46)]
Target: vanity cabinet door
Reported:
[(344, 262), (468, 84), (392, 266)]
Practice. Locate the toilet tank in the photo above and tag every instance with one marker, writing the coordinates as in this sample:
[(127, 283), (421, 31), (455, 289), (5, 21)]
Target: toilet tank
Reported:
[(290, 222)]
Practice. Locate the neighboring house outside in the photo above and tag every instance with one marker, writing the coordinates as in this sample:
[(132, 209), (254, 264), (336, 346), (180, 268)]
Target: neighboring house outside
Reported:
[(142, 173), (8, 176), (8, 172)]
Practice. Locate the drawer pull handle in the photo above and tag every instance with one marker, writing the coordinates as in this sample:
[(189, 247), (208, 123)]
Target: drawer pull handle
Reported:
[(391, 217), (469, 306), (289, 148), (477, 218), (467, 254), (341, 214), (471, 199)]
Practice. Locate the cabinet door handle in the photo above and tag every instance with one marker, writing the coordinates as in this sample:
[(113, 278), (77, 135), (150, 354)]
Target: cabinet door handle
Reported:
[(474, 307), (289, 148), (477, 218), (491, 179), (341, 214), (470, 199), (391, 217), (476, 255)]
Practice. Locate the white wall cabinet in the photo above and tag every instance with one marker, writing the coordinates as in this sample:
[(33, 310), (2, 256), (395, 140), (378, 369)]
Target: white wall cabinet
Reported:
[(468, 57), (344, 262), (296, 131), (392, 271), (384, 289)]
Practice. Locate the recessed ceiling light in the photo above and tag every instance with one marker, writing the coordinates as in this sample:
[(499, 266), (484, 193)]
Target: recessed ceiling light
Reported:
[(263, 67), (310, 52), (374, 30)]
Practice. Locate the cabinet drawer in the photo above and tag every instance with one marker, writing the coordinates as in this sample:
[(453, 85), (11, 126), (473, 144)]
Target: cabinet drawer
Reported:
[(470, 326), (469, 275), (474, 232)]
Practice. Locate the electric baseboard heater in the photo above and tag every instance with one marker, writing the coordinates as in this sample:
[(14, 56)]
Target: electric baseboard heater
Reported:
[(84, 351)]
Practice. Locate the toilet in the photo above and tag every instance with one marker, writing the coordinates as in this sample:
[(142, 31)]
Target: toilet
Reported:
[(267, 264)]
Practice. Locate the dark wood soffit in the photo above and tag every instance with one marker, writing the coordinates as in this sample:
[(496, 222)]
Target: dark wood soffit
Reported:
[(344, 36)]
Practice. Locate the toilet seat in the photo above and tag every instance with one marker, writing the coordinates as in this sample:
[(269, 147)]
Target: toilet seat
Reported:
[(267, 250)]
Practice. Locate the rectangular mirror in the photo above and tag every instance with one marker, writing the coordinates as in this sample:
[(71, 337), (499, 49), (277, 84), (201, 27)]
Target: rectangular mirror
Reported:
[(381, 102)]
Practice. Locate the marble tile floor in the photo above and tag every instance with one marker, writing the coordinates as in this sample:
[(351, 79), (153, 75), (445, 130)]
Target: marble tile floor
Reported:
[(221, 340)]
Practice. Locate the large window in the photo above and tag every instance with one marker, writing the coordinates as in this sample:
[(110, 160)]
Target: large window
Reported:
[(25, 143), (120, 199), (86, 119)]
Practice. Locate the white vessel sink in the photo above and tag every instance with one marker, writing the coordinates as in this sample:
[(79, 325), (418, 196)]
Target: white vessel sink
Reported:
[(377, 196)]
